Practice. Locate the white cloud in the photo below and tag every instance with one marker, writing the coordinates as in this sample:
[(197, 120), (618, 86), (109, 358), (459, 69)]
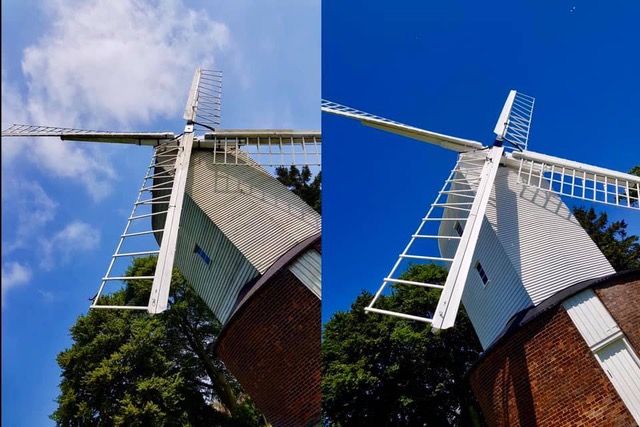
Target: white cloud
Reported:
[(121, 60), (32, 209), (12, 112), (110, 65), (76, 237), (13, 274)]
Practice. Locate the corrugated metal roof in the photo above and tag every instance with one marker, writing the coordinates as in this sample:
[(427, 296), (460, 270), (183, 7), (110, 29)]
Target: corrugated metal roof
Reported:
[(544, 242), (219, 282), (258, 214), (530, 247)]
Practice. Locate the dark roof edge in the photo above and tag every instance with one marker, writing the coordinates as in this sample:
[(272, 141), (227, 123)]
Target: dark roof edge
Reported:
[(255, 286), (527, 315)]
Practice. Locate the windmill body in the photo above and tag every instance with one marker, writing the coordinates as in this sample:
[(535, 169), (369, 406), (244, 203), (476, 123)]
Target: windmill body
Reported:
[(237, 221), (536, 288), (530, 247), (243, 240)]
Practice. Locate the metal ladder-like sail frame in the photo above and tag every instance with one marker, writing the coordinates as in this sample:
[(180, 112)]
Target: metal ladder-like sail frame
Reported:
[(164, 159), (471, 181), (172, 153), (547, 173)]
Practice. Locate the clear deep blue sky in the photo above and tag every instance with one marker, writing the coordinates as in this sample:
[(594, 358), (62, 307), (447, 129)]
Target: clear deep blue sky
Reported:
[(448, 67)]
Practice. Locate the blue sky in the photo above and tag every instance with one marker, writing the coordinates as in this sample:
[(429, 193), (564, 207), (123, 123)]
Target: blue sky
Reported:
[(442, 66), (448, 67), (116, 65)]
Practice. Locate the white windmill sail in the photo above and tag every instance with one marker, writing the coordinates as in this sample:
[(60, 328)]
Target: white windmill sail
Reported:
[(576, 180), (70, 134), (458, 244), (445, 141), (514, 123), (471, 179), (168, 173), (156, 213), (265, 147)]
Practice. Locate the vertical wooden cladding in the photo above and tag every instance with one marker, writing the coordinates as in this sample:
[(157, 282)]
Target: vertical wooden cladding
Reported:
[(258, 214), (591, 317), (607, 342), (568, 363), (219, 282), (308, 268)]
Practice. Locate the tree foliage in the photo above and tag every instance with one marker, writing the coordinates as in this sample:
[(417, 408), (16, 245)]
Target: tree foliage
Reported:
[(622, 251), (128, 368), (382, 370), (385, 371), (634, 197), (300, 183)]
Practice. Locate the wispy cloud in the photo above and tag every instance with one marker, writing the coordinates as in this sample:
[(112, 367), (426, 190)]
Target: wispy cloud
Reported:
[(106, 64), (119, 60), (13, 274), (77, 237), (47, 297), (32, 209)]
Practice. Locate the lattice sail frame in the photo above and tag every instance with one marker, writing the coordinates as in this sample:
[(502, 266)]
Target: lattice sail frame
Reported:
[(266, 148), (577, 180), (561, 176), (204, 100), (163, 165), (514, 123), (472, 178)]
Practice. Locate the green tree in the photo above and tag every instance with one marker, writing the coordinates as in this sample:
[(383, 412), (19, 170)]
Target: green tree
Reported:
[(300, 183), (130, 368), (382, 370), (622, 251)]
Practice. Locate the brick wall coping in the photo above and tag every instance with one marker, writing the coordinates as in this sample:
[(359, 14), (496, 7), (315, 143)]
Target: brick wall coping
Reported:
[(527, 315), (254, 286)]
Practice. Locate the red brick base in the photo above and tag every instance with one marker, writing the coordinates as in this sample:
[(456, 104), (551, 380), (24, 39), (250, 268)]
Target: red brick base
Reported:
[(272, 346), (544, 374)]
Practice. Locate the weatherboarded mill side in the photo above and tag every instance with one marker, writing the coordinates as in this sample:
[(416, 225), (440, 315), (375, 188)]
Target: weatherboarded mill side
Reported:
[(560, 338), (251, 249), (530, 247), (571, 360)]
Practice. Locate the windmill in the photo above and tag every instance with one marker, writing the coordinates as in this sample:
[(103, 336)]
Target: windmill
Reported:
[(510, 243), (208, 206)]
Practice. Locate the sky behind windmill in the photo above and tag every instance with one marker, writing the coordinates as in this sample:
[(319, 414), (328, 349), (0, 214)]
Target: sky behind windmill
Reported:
[(448, 67), (116, 65), (442, 66)]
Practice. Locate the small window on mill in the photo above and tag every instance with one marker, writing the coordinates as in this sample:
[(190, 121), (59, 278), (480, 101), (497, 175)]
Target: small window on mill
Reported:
[(458, 228), (202, 254), (482, 274)]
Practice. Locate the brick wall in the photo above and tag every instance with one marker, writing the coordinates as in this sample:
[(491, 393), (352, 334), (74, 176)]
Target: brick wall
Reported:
[(621, 297), (272, 346), (545, 375)]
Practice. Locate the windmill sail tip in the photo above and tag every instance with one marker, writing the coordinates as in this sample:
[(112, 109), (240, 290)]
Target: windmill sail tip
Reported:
[(514, 122)]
